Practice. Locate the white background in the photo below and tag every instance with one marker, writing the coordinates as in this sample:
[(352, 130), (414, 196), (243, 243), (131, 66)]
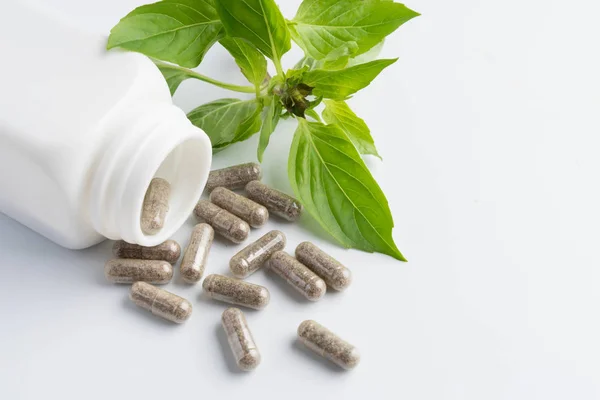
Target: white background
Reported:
[(488, 128)]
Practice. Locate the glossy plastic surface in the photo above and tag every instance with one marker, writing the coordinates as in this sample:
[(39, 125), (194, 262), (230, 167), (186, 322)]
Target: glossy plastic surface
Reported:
[(235, 291), (196, 254), (240, 339), (253, 256)]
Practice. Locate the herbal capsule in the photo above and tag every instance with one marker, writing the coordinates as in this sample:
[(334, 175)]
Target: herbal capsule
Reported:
[(251, 258), (160, 302), (240, 339), (122, 270), (196, 254), (327, 344), (298, 275), (225, 224), (167, 251), (237, 292), (251, 212), (328, 268), (235, 177), (156, 206), (276, 202)]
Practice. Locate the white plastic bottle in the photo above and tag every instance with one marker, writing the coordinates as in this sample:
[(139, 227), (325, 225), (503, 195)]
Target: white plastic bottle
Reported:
[(82, 133)]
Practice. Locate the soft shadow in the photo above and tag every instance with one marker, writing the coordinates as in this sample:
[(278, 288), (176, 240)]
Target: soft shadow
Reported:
[(179, 281), (308, 354), (86, 265), (315, 229), (206, 301), (191, 222), (227, 353), (226, 243), (95, 258), (334, 293), (132, 308)]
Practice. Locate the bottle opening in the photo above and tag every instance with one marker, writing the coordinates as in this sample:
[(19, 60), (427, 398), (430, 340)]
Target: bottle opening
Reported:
[(186, 170), (172, 149)]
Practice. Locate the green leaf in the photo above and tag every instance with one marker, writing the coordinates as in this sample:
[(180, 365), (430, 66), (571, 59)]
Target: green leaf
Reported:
[(337, 64), (337, 59), (306, 62), (174, 76), (313, 114), (294, 76), (178, 31), (249, 126), (315, 102), (269, 125), (366, 57), (251, 61), (227, 121), (338, 85), (331, 180), (258, 21), (323, 26), (338, 112)]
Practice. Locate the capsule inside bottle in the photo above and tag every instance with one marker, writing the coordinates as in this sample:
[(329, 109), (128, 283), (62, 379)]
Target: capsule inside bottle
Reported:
[(155, 206)]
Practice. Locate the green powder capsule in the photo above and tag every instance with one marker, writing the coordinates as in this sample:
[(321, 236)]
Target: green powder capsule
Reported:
[(196, 254), (235, 177), (331, 270), (235, 291), (167, 251), (252, 257), (251, 212), (224, 223), (327, 344), (276, 202), (298, 275), (160, 302), (121, 270), (240, 339)]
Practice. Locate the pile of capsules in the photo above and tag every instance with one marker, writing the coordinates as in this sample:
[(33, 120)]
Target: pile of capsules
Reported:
[(230, 215)]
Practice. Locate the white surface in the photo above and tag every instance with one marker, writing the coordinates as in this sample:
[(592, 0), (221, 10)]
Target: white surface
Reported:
[(489, 133)]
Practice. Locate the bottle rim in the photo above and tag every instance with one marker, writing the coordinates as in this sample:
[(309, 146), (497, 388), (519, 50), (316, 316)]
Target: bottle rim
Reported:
[(166, 145)]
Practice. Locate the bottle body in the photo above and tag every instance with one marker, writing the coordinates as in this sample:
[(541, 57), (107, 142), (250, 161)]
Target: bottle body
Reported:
[(82, 133)]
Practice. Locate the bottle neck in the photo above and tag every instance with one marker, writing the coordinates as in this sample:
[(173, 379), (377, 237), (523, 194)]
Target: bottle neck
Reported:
[(162, 143)]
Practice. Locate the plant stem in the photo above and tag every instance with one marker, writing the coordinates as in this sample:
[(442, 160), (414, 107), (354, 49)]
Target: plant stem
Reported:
[(228, 86), (204, 78), (278, 67)]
